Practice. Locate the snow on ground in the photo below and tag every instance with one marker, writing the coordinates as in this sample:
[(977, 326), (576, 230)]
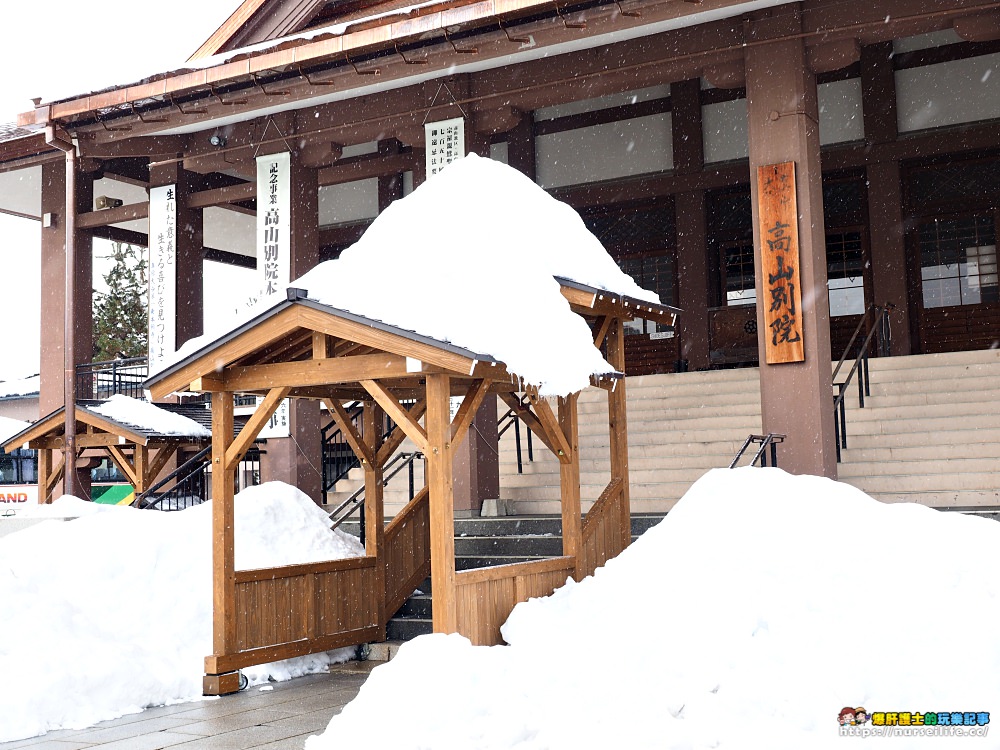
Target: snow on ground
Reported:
[(147, 416), (441, 263), (763, 605), (111, 612)]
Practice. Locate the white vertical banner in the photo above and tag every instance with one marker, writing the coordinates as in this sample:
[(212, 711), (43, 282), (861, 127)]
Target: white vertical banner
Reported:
[(274, 243), (162, 273), (445, 142), (274, 213)]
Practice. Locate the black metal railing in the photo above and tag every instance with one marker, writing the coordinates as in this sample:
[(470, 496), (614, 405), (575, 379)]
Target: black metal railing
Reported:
[(188, 483), (356, 502), (102, 380), (338, 457), (880, 331), (770, 440), (508, 420)]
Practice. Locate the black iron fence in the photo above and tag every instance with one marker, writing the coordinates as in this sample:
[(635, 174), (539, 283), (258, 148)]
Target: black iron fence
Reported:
[(102, 380)]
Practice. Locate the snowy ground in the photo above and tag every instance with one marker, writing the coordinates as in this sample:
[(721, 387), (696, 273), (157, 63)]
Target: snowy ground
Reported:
[(759, 609), (111, 612)]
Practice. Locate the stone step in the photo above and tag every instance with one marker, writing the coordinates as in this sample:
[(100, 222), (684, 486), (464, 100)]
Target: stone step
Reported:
[(924, 453), (941, 499), (641, 407), (875, 411), (595, 478), (527, 546), (983, 391), (926, 361), (902, 469), (926, 426), (408, 628), (602, 466), (919, 438), (927, 482)]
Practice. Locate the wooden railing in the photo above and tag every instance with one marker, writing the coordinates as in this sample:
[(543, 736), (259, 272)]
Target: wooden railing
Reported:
[(300, 609), (407, 551), (602, 533), (486, 596)]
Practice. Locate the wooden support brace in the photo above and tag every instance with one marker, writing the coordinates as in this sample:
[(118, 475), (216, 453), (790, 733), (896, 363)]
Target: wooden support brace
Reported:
[(397, 436), (122, 462), (604, 323), (467, 411), (351, 433), (397, 413), (524, 413), (155, 466), (239, 447), (551, 427)]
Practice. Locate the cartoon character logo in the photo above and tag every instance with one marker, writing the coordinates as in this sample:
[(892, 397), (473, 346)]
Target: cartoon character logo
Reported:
[(846, 717), (861, 716)]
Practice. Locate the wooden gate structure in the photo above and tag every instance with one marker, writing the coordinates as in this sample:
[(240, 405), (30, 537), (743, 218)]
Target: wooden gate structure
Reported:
[(301, 348)]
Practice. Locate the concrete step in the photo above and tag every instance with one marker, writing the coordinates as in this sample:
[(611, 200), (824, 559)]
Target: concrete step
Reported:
[(924, 453), (982, 391), (928, 427), (926, 361), (889, 483), (875, 411), (941, 499), (951, 436), (955, 466)]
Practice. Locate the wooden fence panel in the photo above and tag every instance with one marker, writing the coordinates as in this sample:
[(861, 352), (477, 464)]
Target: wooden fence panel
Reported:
[(407, 551), (601, 533), (486, 596)]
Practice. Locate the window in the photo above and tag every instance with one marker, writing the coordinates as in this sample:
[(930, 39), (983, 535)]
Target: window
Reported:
[(656, 273), (845, 273), (738, 272), (19, 467), (958, 261)]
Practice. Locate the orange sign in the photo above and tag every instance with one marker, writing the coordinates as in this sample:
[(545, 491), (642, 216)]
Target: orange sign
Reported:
[(779, 254)]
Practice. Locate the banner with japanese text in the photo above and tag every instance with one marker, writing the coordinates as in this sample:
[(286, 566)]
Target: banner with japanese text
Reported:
[(162, 273), (445, 142), (779, 259), (274, 223)]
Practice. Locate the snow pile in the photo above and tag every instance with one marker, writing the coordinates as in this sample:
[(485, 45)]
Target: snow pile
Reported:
[(469, 258), (146, 416), (112, 612), (759, 608)]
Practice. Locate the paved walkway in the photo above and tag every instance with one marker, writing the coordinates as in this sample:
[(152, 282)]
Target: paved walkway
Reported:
[(277, 719)]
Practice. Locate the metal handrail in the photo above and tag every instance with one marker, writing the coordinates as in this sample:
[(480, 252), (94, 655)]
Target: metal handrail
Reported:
[(880, 325), (503, 424), (357, 501), (196, 463), (771, 440)]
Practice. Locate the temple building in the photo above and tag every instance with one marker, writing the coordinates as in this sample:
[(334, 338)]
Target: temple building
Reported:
[(784, 173)]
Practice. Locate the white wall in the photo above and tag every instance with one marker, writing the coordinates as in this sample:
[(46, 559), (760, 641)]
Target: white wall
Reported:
[(350, 201), (950, 93), (724, 131), (840, 114)]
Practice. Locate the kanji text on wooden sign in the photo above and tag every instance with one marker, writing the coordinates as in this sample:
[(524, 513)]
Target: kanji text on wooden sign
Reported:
[(779, 253)]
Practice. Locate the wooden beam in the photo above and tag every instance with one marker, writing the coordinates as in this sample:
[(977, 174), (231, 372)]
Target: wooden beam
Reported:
[(603, 324), (397, 413), (310, 372), (397, 436), (223, 522), (55, 477), (442, 503), (244, 191), (618, 427), (107, 216), (238, 448), (550, 426), (374, 507), (467, 411), (351, 433), (140, 461), (122, 462), (85, 440)]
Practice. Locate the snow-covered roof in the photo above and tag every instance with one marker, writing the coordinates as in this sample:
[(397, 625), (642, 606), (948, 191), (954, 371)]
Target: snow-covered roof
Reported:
[(469, 260), (10, 427), (150, 418), (23, 387)]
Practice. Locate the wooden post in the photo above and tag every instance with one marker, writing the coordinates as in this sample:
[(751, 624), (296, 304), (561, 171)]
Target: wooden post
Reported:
[(223, 545), (44, 470), (141, 463), (374, 508), (442, 510), (569, 481), (618, 425)]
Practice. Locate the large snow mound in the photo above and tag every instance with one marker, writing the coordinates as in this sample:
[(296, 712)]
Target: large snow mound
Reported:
[(469, 258), (762, 605), (112, 612)]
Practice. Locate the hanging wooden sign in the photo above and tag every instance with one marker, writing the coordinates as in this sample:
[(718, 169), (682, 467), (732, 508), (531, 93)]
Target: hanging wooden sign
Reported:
[(162, 273), (273, 223), (779, 257)]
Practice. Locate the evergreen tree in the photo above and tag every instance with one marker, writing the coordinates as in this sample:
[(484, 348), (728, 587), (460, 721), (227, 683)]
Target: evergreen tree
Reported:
[(120, 322)]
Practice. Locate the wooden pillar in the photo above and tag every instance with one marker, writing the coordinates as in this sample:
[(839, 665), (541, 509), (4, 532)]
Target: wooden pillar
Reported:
[(796, 397), (141, 468), (618, 425), (390, 186), (189, 248), (442, 505), (374, 507), (44, 472), (885, 196), (692, 228), (223, 549), (477, 463), (569, 481)]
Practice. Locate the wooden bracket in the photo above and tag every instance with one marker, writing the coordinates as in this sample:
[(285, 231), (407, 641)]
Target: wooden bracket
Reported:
[(397, 413)]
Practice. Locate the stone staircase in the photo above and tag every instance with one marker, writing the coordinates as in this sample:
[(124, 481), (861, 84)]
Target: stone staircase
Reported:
[(930, 433), (482, 542)]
